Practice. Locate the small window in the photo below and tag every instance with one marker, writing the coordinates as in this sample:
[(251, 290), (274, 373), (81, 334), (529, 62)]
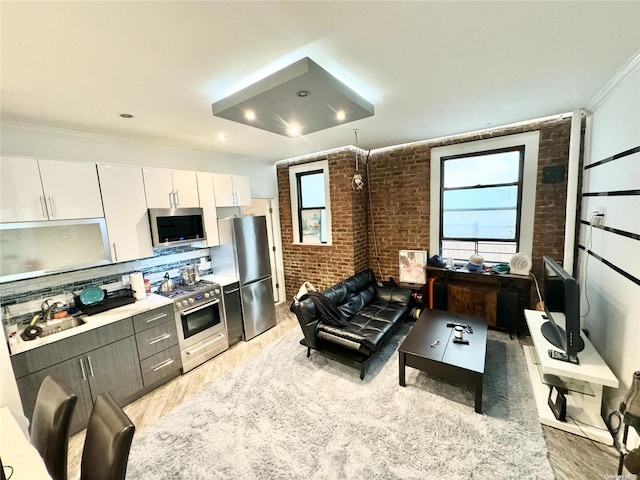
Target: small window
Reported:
[(480, 204), (310, 203)]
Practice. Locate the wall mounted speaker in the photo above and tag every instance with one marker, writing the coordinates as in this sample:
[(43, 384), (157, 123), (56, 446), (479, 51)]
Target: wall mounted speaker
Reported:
[(553, 174)]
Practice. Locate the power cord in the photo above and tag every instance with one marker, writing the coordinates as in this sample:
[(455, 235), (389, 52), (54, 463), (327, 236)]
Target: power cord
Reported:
[(592, 215), (535, 280), (577, 423)]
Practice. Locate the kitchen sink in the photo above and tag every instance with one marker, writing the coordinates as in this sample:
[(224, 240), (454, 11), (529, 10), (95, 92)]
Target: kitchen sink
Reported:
[(62, 326)]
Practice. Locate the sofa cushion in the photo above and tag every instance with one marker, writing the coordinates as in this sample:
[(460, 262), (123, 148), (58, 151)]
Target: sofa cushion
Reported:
[(356, 301)]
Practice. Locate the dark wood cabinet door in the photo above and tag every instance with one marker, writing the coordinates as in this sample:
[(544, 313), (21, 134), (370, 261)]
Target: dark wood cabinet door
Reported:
[(477, 302), (73, 373), (115, 368)]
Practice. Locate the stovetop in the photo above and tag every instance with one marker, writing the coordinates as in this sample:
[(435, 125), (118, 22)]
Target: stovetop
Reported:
[(185, 290)]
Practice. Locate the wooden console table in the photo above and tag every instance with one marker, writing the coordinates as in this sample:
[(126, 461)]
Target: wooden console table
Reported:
[(498, 298), (584, 383)]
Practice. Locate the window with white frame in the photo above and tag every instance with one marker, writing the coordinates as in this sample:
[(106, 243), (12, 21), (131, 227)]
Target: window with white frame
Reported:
[(310, 205), (483, 197)]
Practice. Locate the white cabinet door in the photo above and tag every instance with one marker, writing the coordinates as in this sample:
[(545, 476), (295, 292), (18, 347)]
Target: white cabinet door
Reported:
[(35, 190), (207, 197), (158, 187), (242, 190), (223, 187), (185, 188), (125, 211), (71, 189), (21, 197)]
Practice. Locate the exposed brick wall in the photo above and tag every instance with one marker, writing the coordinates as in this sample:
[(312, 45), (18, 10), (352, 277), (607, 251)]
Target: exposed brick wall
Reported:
[(326, 265), (399, 192), (399, 204)]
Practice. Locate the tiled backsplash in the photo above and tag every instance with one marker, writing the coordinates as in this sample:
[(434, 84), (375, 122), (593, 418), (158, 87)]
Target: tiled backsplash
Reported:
[(20, 300)]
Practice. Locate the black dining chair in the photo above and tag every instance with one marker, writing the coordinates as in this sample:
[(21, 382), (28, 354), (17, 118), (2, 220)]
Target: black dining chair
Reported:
[(108, 441), (50, 424)]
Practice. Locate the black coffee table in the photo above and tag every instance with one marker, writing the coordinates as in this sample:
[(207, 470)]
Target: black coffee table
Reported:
[(429, 346)]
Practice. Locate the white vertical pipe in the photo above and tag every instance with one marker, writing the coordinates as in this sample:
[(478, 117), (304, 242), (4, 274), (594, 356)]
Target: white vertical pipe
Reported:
[(572, 190)]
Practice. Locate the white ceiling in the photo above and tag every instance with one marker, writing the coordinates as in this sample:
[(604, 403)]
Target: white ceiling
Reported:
[(430, 68)]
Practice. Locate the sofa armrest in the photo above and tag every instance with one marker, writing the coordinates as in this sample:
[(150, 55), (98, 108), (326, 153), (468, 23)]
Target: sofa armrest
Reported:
[(308, 318), (394, 294)]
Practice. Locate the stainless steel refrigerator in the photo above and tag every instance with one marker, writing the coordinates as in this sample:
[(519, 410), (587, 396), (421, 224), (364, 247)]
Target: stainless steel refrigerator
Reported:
[(246, 238)]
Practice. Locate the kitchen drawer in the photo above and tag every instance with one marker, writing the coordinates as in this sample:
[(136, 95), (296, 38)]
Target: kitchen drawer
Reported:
[(160, 365), (156, 339), (146, 320)]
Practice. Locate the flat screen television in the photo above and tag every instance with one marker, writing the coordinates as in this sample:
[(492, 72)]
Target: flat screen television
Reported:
[(561, 302)]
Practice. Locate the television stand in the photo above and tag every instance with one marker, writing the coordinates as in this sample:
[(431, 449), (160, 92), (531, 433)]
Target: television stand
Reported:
[(584, 384)]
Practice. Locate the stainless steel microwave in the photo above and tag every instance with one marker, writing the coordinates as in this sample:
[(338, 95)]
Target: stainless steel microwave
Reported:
[(176, 226)]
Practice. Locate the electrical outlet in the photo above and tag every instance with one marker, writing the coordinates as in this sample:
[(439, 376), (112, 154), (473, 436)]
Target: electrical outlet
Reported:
[(125, 280)]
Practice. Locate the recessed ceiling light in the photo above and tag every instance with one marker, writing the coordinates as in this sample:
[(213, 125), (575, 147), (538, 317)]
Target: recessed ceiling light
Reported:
[(222, 137), (341, 115), (250, 115), (303, 93), (126, 115), (293, 130)]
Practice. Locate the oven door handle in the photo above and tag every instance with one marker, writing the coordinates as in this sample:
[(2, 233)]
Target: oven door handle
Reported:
[(198, 308)]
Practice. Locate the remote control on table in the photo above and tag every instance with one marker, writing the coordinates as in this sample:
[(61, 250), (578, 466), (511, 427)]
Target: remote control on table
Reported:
[(556, 355)]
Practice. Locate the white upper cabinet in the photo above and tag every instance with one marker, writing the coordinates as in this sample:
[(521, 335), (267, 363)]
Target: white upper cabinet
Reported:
[(242, 190), (185, 186), (125, 211), (231, 190), (207, 197), (170, 188), (36, 190)]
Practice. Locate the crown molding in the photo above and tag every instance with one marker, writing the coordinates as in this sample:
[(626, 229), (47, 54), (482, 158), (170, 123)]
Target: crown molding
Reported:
[(627, 70)]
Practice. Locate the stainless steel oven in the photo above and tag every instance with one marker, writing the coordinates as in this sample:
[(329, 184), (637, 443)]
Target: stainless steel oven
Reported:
[(200, 320)]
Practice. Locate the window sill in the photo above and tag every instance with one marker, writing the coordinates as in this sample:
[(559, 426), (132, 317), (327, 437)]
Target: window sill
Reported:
[(312, 244)]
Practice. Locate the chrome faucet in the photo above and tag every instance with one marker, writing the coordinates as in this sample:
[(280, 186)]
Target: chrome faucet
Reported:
[(48, 310)]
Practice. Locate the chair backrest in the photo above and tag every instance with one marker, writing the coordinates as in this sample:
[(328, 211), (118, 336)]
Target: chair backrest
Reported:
[(50, 425), (108, 441)]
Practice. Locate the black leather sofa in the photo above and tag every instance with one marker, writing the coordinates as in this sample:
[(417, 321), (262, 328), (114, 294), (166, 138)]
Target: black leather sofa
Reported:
[(372, 312)]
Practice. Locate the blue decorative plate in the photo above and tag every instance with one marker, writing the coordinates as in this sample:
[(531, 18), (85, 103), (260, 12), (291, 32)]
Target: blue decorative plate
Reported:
[(91, 295)]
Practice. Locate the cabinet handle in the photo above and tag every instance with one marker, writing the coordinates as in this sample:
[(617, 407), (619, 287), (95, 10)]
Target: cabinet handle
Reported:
[(166, 363), (171, 202), (157, 317), (51, 210), (90, 366), (115, 252), (43, 207), (160, 338), (177, 198), (235, 198), (84, 374)]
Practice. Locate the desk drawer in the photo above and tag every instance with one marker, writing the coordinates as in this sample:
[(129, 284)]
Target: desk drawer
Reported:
[(156, 339)]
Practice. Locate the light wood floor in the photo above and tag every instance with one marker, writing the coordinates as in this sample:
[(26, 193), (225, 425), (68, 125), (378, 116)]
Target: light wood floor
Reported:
[(571, 456)]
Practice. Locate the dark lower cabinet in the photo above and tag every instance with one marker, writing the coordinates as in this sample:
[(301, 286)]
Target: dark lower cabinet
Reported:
[(114, 367), (500, 299)]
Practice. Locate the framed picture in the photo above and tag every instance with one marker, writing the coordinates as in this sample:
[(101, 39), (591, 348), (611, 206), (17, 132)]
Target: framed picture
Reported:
[(412, 263), (311, 226)]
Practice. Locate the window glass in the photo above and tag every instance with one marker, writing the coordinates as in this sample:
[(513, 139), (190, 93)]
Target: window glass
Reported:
[(312, 190), (486, 169), (480, 210)]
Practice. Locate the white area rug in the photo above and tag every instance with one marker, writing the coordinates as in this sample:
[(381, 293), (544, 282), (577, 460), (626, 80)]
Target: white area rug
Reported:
[(284, 416)]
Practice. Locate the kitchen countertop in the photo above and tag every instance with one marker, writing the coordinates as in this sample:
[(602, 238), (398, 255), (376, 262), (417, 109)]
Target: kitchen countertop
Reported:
[(222, 280), (98, 320)]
